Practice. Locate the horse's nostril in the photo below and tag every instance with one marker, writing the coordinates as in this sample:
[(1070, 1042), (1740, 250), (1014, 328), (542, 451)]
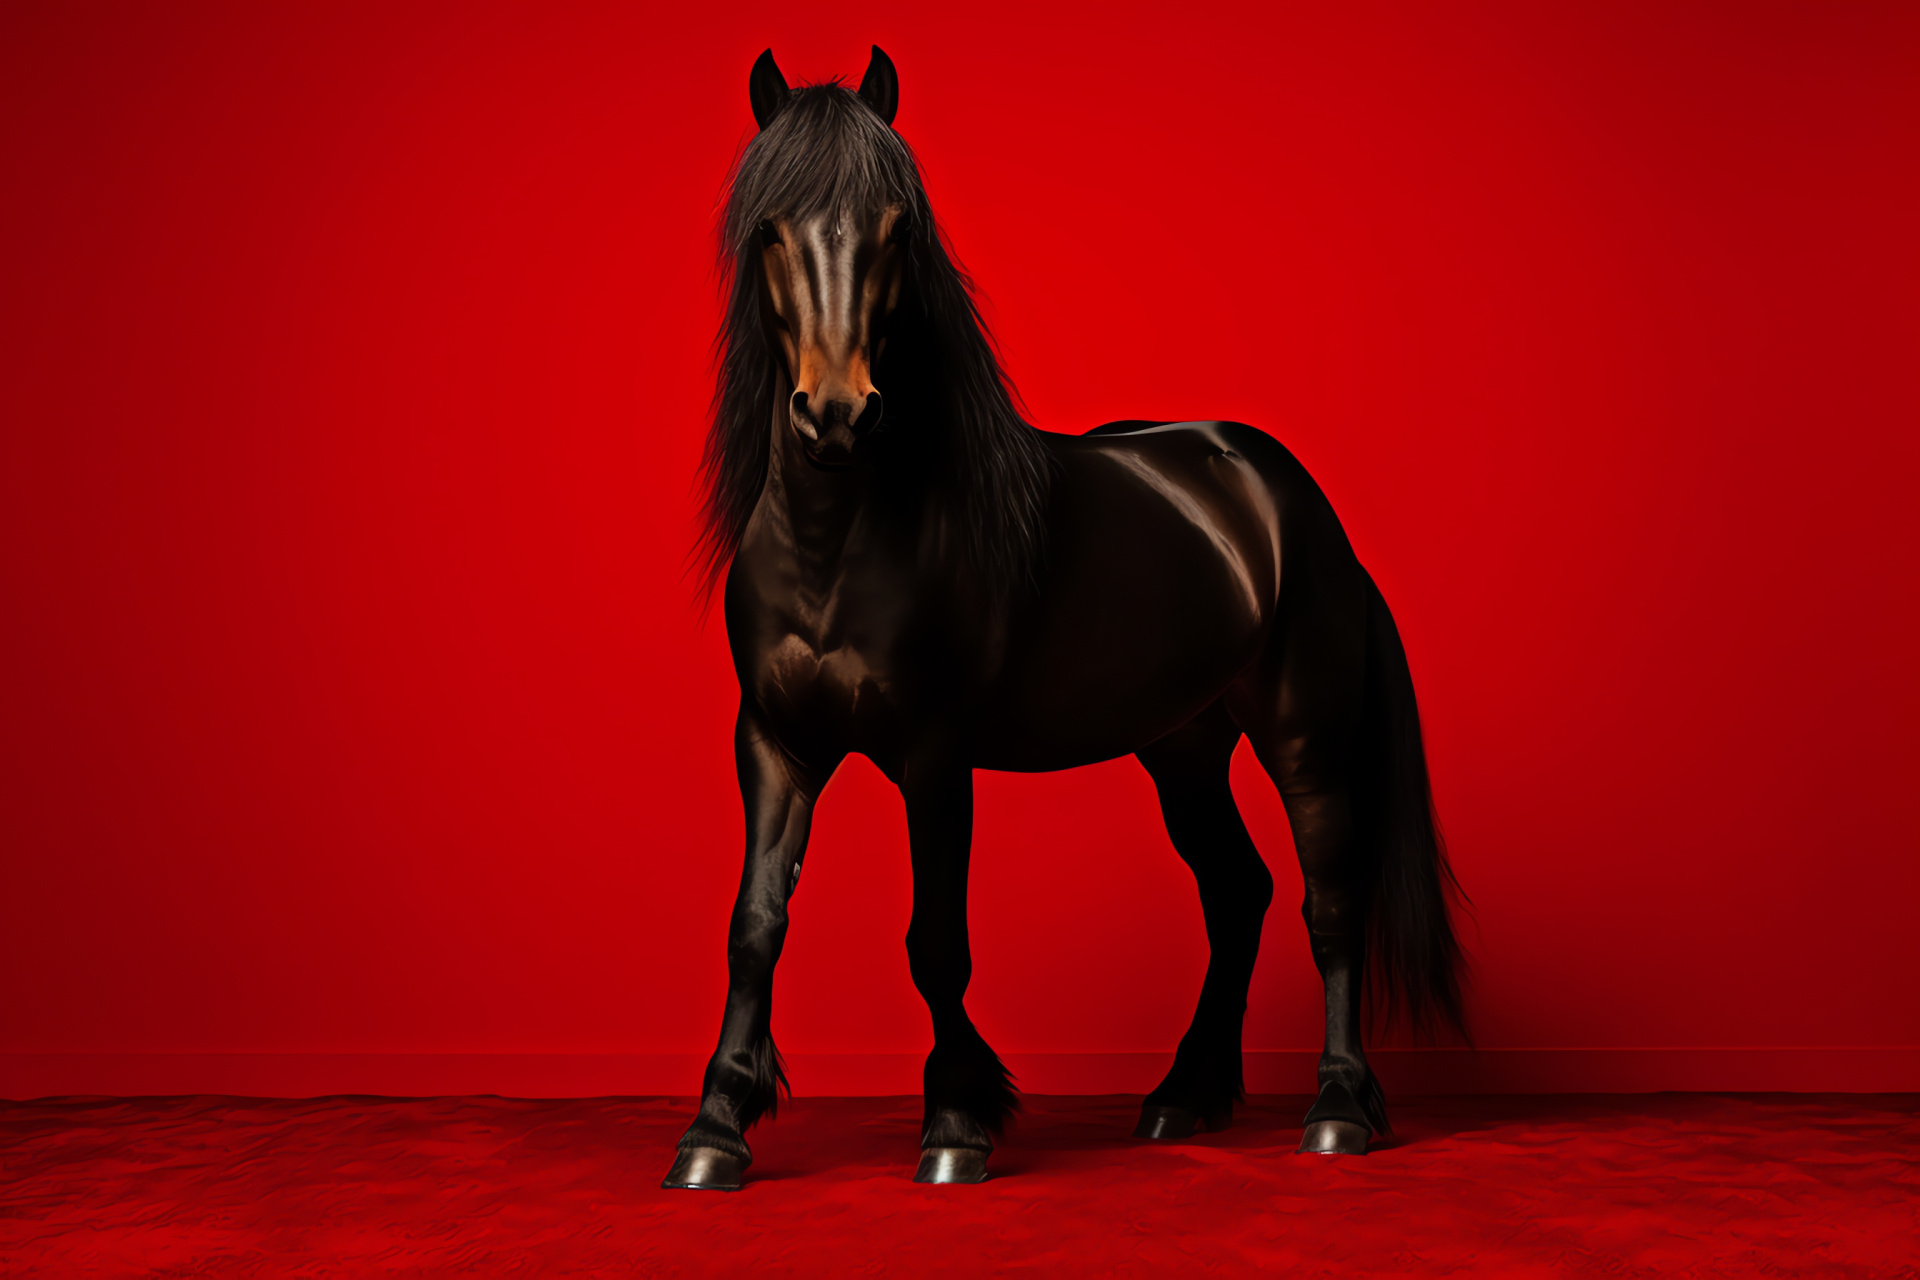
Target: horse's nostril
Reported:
[(802, 420), (870, 415)]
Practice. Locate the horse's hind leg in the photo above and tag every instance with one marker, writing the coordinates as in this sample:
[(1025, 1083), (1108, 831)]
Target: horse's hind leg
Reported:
[(1303, 716), (1350, 1102), (1320, 810), (1189, 767)]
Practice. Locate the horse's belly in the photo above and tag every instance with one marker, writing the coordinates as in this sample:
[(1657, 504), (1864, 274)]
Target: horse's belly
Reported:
[(1104, 701)]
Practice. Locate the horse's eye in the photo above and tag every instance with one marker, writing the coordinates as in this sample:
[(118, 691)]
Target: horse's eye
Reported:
[(769, 234), (899, 231)]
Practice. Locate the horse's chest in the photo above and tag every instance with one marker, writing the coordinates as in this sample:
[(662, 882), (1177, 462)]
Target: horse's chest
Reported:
[(832, 693)]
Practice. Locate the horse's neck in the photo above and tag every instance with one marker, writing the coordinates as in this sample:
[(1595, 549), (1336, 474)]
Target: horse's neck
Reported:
[(811, 511)]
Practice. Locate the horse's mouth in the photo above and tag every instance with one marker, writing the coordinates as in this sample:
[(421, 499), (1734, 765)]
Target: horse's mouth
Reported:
[(835, 451), (834, 461)]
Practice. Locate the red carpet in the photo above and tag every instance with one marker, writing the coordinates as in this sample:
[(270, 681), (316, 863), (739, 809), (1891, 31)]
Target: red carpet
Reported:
[(1672, 1184)]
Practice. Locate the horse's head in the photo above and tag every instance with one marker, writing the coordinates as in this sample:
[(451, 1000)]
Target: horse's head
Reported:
[(832, 196), (831, 280), (841, 288)]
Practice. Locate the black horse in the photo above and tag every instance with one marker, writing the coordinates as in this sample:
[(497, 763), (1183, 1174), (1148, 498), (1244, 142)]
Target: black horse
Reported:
[(935, 584)]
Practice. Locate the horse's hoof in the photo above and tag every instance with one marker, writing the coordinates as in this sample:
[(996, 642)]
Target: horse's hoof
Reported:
[(1178, 1122), (951, 1164), (1166, 1122), (705, 1169), (1334, 1138)]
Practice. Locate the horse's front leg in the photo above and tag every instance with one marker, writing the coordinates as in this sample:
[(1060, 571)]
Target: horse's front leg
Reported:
[(744, 1076), (968, 1095)]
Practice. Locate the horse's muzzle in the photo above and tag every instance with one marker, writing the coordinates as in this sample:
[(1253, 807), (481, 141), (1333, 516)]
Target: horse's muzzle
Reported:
[(831, 430)]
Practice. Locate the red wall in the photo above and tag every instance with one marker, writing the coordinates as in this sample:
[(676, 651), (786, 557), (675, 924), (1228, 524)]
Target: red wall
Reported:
[(353, 365)]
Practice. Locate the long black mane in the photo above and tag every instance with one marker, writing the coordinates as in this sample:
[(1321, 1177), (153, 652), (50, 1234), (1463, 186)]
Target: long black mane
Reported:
[(951, 441)]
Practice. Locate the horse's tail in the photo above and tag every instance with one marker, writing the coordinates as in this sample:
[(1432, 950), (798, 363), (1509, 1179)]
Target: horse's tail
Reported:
[(1414, 961)]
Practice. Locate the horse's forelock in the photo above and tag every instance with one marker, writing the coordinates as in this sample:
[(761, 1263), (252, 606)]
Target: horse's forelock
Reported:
[(826, 152)]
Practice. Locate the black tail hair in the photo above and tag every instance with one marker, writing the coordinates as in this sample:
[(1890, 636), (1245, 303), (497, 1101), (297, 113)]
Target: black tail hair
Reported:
[(1415, 964)]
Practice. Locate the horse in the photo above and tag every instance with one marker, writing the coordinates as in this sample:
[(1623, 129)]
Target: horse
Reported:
[(919, 575)]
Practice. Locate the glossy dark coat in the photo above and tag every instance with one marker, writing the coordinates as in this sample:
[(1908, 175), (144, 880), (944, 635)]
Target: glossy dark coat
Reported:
[(1187, 583)]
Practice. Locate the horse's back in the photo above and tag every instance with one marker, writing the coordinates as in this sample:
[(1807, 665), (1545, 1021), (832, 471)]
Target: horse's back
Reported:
[(1262, 472), (1126, 426), (1295, 500)]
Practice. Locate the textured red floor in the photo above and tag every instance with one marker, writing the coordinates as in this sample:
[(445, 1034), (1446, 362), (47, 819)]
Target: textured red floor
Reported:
[(1674, 1184)]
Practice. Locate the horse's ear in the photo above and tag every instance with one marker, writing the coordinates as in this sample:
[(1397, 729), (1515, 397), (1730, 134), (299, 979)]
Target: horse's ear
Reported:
[(766, 89), (881, 85)]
